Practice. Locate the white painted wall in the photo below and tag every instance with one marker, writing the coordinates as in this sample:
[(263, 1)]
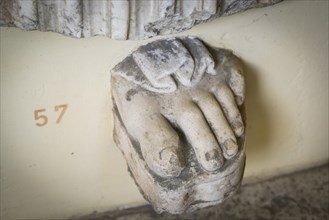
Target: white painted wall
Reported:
[(74, 168)]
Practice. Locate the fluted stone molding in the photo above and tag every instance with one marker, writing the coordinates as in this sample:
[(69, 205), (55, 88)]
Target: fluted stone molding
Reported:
[(179, 122), (118, 19)]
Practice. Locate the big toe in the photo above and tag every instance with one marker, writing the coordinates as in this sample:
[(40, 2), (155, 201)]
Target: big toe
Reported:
[(159, 144)]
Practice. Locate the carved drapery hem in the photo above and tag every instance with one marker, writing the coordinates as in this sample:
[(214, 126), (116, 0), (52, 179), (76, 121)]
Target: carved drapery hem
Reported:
[(120, 20)]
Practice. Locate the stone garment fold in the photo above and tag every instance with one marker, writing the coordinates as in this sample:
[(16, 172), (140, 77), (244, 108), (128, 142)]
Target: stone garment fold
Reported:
[(117, 19), (181, 60)]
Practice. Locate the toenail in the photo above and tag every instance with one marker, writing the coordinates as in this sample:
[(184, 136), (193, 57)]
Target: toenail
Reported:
[(238, 128), (230, 148), (171, 160), (214, 160)]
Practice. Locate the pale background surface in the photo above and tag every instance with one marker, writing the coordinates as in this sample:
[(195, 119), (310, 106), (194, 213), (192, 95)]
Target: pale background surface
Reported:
[(74, 168)]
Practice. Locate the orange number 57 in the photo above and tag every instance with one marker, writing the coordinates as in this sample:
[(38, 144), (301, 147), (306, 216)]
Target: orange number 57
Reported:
[(43, 119)]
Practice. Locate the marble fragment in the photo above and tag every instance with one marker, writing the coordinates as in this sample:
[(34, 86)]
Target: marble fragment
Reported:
[(179, 122), (122, 20)]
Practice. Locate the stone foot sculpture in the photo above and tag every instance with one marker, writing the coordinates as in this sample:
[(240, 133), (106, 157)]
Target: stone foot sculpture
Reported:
[(178, 107)]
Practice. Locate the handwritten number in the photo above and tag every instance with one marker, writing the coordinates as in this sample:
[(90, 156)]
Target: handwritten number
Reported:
[(38, 116), (43, 119), (57, 107)]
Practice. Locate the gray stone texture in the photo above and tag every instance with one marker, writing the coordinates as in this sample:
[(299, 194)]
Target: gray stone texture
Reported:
[(298, 196), (135, 19), (177, 120)]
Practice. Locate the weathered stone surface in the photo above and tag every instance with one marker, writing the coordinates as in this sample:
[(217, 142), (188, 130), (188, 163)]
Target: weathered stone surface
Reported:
[(136, 19), (177, 112), (299, 195)]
